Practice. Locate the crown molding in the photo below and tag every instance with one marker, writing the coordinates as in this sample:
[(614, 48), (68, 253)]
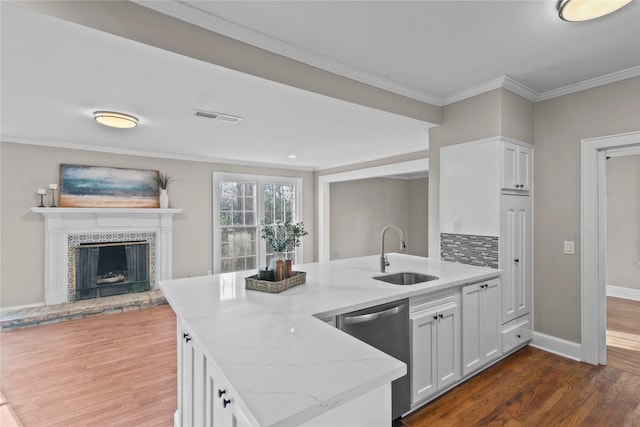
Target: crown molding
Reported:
[(143, 153), (591, 83), (212, 22)]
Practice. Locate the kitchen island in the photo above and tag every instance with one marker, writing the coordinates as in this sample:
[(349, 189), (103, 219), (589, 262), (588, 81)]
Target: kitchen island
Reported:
[(254, 358)]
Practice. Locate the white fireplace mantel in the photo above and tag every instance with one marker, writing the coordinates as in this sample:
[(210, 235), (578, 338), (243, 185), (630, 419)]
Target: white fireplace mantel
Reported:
[(60, 223)]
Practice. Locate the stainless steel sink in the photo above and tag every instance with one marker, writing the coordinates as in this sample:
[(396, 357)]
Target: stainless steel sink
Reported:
[(405, 278)]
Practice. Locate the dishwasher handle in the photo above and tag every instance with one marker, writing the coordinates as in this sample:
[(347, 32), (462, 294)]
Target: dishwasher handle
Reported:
[(362, 318)]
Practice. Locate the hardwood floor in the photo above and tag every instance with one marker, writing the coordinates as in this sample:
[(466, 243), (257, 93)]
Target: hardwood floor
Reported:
[(536, 388), (623, 334), (120, 370), (112, 370)]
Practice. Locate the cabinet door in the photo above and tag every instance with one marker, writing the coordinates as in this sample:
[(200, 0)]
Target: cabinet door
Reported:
[(515, 256), (490, 325), (509, 166), (524, 168), (471, 329), (448, 346), (423, 365), (185, 378)]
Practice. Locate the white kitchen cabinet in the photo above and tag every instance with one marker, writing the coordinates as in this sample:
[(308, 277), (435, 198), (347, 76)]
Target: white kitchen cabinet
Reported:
[(516, 333), (516, 167), (516, 256), (203, 397), (435, 344), (480, 324)]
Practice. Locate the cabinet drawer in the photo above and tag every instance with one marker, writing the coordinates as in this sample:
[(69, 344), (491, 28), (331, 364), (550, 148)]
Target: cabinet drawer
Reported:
[(515, 335), (428, 302)]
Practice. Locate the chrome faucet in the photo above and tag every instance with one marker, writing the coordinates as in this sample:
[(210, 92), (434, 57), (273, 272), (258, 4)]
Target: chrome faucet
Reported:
[(384, 262)]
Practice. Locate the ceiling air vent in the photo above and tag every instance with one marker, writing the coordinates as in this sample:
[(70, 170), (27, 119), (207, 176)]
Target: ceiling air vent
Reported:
[(217, 116)]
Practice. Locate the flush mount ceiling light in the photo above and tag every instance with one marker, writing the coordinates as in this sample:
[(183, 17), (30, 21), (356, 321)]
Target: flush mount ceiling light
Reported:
[(115, 120), (585, 10)]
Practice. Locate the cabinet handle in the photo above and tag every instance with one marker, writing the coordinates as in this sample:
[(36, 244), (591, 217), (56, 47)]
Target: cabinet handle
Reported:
[(435, 317), (221, 391), (441, 316), (186, 337), (518, 336), (225, 402), (516, 260)]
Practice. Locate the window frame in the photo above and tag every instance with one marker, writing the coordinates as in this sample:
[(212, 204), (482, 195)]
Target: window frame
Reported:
[(260, 181)]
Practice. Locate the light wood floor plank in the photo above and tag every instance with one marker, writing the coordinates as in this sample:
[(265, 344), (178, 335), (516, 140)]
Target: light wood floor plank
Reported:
[(112, 370)]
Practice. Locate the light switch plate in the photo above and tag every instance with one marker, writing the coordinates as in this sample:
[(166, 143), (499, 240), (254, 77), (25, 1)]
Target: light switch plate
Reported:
[(569, 247)]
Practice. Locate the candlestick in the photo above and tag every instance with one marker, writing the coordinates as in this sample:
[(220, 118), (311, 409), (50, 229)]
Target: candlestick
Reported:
[(41, 193), (53, 195)]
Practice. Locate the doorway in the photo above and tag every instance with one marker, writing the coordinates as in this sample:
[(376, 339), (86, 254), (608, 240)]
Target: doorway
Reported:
[(593, 232), (623, 260), (324, 194)]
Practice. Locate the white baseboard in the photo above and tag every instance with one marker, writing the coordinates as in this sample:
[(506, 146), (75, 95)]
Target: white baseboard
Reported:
[(620, 292), (5, 310), (569, 349)]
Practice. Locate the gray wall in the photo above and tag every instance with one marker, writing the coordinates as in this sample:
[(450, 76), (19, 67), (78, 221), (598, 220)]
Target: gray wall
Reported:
[(24, 168), (623, 222), (361, 209), (559, 126)]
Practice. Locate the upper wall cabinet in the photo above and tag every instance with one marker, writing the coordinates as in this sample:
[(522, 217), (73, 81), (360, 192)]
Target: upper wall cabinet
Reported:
[(472, 178), (516, 167)]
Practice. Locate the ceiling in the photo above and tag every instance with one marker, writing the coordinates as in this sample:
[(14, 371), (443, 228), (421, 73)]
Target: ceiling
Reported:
[(56, 73)]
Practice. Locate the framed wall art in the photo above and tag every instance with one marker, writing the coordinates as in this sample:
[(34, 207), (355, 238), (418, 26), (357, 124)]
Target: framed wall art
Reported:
[(106, 187)]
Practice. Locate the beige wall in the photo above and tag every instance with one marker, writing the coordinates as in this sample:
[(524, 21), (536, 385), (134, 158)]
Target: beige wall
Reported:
[(559, 126), (418, 236), (623, 222), (468, 120), (24, 168), (361, 209)]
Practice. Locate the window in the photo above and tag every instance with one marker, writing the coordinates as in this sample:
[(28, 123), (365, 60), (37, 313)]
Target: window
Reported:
[(240, 203)]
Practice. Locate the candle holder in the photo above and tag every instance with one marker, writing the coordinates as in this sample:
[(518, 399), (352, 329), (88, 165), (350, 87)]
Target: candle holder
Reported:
[(53, 198), (41, 205)]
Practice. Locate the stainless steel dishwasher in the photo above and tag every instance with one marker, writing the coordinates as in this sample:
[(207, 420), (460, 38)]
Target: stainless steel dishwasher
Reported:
[(385, 327)]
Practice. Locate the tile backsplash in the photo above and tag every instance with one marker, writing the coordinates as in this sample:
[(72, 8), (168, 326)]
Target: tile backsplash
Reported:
[(469, 249)]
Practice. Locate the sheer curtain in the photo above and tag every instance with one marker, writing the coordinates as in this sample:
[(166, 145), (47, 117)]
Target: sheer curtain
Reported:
[(87, 267), (137, 262)]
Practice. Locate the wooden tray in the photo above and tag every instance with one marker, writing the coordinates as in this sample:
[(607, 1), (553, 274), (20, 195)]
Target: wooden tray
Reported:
[(252, 282)]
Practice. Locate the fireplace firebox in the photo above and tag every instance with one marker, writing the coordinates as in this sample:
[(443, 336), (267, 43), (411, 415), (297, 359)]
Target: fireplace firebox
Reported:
[(114, 268)]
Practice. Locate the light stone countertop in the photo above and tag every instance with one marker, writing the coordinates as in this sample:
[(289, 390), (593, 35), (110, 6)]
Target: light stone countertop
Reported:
[(285, 365)]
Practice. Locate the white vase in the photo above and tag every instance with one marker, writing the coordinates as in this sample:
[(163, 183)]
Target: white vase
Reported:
[(275, 257), (164, 198)]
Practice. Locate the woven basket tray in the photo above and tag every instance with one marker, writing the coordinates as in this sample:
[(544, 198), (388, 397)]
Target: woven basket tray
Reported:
[(253, 283)]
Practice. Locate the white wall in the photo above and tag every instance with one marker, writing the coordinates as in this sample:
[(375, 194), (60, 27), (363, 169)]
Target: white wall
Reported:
[(361, 209), (623, 222)]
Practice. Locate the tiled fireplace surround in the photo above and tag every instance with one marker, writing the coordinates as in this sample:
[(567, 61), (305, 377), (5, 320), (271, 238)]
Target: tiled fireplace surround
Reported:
[(67, 227)]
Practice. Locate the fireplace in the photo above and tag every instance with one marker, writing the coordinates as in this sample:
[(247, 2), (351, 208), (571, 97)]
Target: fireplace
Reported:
[(105, 269), (68, 229)]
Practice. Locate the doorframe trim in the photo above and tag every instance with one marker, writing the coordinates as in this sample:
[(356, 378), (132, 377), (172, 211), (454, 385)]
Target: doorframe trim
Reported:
[(593, 235), (324, 194)]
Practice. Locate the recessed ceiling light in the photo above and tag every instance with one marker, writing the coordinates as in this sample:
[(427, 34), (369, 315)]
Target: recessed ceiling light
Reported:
[(292, 156), (585, 10), (115, 120)]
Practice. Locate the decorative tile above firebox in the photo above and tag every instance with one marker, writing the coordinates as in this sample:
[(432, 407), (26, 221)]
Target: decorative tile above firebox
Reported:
[(66, 225)]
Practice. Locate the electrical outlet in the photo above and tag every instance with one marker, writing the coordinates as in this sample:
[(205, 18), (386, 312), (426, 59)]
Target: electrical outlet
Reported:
[(569, 247)]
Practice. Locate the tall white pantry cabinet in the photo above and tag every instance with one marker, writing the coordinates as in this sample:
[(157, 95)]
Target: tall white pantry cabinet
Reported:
[(486, 196)]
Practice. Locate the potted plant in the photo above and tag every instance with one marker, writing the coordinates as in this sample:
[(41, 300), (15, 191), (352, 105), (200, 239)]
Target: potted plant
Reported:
[(282, 236), (163, 181)]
